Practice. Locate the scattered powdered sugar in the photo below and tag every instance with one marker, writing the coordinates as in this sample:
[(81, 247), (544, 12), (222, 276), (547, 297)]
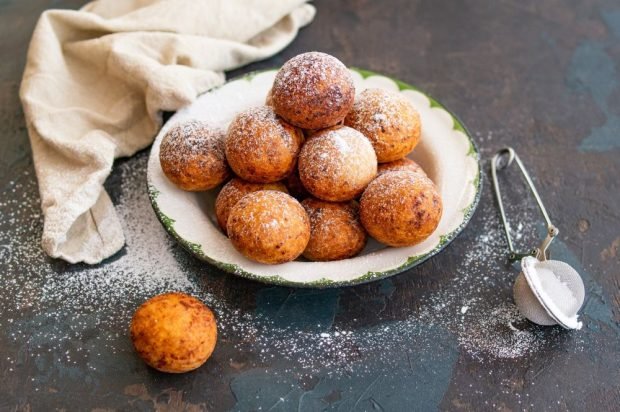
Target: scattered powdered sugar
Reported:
[(475, 307), (495, 334)]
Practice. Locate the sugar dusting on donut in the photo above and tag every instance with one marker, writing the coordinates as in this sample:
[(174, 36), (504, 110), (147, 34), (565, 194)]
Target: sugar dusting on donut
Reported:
[(307, 71), (340, 158), (313, 90), (245, 124), (261, 146), (190, 138), (378, 109), (384, 186), (388, 120)]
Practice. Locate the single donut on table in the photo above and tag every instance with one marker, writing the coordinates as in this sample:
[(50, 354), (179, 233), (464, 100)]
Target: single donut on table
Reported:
[(269, 227), (233, 191), (335, 230), (174, 332), (192, 156), (336, 164), (261, 147), (405, 164), (313, 91), (388, 120), (400, 208)]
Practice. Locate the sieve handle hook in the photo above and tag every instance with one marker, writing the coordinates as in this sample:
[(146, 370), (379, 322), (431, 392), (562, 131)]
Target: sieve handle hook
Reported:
[(502, 159)]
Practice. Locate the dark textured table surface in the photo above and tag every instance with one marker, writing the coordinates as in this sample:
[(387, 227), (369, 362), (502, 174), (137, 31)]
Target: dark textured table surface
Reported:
[(542, 76)]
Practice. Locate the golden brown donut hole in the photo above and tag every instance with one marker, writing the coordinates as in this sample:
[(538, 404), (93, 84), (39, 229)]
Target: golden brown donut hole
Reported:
[(192, 157), (233, 191), (261, 147), (269, 227), (404, 164), (400, 208), (174, 332), (336, 164), (388, 120), (335, 230), (313, 91)]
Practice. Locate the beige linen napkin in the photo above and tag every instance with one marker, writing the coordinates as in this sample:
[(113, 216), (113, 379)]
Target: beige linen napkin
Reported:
[(97, 79)]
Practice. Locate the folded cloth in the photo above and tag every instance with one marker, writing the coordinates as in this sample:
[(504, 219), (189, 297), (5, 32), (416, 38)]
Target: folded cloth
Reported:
[(97, 80)]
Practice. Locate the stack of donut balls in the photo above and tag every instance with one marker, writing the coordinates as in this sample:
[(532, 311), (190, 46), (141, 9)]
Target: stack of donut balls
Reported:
[(314, 170)]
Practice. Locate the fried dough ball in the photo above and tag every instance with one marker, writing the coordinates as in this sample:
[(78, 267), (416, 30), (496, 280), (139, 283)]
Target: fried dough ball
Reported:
[(269, 98), (388, 120), (313, 91), (336, 164), (400, 208), (335, 230), (269, 227), (233, 191), (261, 147), (405, 164), (192, 157), (174, 332)]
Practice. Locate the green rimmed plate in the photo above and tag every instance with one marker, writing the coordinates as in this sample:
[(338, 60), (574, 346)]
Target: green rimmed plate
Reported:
[(446, 152)]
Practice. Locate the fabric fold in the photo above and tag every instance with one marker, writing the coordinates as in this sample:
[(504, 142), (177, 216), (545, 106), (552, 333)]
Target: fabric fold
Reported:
[(95, 84)]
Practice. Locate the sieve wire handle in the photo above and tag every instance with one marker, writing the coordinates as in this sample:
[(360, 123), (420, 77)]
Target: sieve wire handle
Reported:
[(502, 159)]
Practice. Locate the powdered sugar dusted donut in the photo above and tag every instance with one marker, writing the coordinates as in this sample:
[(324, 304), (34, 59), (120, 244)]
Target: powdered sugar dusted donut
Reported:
[(313, 91), (337, 164), (269, 227), (400, 208), (261, 147), (388, 120), (405, 164), (335, 230), (192, 156), (233, 191)]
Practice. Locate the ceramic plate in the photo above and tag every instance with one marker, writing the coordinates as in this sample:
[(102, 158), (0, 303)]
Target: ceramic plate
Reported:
[(446, 152)]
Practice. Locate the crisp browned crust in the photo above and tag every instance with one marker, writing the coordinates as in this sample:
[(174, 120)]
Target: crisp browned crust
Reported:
[(336, 164), (269, 227), (400, 208), (261, 147), (233, 191), (388, 120), (313, 91), (404, 164), (335, 230), (192, 157), (174, 332)]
